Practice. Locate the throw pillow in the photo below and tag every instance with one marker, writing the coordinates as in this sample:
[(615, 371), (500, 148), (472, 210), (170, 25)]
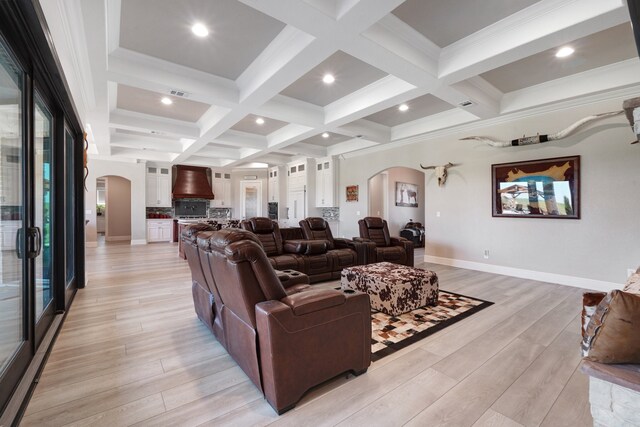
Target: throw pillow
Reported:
[(590, 301), (613, 333), (633, 283)]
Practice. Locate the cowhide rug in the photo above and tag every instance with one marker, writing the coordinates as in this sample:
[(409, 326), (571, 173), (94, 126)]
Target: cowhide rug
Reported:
[(392, 333)]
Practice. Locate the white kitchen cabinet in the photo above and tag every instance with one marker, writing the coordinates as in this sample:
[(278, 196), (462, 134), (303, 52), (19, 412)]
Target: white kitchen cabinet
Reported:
[(221, 190), (159, 230), (296, 192), (325, 182), (274, 184), (158, 187)]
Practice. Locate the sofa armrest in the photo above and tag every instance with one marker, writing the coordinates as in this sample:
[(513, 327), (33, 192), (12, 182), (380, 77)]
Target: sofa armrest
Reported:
[(398, 241), (408, 248), (362, 248), (342, 243), (361, 239), (306, 247), (313, 300), (290, 278), (299, 352)]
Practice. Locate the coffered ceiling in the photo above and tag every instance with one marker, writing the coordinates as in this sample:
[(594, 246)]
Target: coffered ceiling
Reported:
[(267, 59)]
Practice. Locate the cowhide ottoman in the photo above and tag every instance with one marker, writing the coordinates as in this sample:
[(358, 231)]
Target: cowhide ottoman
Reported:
[(393, 289)]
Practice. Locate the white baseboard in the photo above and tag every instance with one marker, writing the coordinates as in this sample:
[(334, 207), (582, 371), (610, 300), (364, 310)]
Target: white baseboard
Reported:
[(91, 244), (139, 242), (561, 279)]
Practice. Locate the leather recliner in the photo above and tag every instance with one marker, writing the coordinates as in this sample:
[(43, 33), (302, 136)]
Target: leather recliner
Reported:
[(203, 294), (286, 344), (343, 252), (321, 257), (397, 250), (268, 232), (206, 297)]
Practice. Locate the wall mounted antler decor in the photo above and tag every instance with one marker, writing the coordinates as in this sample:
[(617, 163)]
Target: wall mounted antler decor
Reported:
[(539, 139), (441, 172), (632, 111)]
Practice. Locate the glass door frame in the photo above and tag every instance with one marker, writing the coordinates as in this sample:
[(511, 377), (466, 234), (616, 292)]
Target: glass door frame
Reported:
[(57, 257), (22, 356), (24, 32), (64, 294)]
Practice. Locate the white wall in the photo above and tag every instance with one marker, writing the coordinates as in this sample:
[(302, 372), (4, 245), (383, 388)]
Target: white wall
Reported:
[(601, 246), (134, 172)]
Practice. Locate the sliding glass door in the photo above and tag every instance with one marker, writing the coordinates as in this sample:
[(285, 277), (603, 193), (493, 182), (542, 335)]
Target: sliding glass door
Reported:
[(41, 200), (14, 345), (69, 217), (42, 230)]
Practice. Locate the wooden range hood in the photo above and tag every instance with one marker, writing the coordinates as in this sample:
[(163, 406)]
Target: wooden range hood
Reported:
[(192, 182)]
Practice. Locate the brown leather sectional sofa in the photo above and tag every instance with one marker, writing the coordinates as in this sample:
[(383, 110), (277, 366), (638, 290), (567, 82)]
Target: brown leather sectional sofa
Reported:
[(310, 248), (285, 335)]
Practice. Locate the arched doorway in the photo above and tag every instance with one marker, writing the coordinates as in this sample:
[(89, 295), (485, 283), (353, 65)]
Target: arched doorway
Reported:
[(113, 209), (397, 195)]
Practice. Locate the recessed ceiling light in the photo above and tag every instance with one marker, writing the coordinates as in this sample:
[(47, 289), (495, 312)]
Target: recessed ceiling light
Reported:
[(325, 135), (166, 101), (563, 52), (260, 121), (403, 107), (328, 79), (200, 30)]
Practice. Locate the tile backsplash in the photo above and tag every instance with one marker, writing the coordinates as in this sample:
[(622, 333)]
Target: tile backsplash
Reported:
[(220, 213), (331, 214), (168, 212)]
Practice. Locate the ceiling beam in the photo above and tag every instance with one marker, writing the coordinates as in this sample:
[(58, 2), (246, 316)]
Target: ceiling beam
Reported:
[(129, 120), (539, 27)]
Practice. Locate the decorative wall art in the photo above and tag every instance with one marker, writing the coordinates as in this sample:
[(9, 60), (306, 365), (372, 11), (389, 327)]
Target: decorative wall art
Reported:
[(352, 193), (441, 172), (539, 139), (547, 188), (406, 195)]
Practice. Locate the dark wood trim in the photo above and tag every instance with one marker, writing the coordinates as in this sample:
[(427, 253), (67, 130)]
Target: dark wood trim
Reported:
[(634, 13), (58, 264)]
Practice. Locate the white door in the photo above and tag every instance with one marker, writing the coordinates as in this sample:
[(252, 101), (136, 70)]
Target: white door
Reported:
[(297, 211), (164, 191), (152, 190), (250, 199)]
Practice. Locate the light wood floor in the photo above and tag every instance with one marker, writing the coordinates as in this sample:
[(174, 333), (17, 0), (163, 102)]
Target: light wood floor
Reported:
[(133, 352)]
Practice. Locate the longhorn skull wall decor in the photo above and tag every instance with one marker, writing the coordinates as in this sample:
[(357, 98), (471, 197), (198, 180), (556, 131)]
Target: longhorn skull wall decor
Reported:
[(441, 172), (632, 111), (539, 139)]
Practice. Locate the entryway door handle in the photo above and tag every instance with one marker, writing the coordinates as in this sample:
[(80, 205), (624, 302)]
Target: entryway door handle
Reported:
[(35, 242)]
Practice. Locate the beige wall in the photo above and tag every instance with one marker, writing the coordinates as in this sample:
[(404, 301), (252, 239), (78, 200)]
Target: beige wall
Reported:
[(135, 173), (118, 208), (396, 216), (601, 246)]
